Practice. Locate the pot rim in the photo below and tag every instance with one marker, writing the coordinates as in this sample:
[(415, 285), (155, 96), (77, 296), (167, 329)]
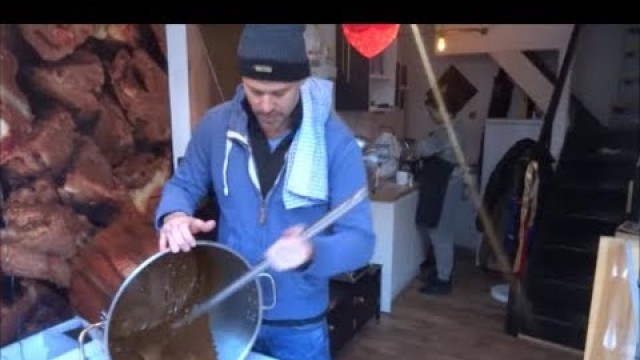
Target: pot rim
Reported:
[(143, 265)]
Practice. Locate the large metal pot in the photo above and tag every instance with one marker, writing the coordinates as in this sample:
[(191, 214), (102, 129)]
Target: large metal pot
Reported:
[(162, 289)]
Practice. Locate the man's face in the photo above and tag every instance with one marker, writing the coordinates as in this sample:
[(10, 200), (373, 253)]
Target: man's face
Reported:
[(272, 102)]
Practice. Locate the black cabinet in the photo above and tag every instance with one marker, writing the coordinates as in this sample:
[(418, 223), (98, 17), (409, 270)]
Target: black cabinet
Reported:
[(352, 77), (355, 299)]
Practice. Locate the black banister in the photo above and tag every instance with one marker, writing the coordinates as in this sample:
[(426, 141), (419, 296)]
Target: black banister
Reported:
[(545, 133)]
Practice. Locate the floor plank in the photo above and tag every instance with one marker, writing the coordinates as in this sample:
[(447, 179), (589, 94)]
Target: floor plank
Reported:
[(466, 325)]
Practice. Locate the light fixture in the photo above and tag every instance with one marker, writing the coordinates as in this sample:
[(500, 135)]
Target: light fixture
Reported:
[(441, 41)]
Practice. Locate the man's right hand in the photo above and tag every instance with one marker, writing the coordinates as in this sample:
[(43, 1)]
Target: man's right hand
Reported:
[(178, 229)]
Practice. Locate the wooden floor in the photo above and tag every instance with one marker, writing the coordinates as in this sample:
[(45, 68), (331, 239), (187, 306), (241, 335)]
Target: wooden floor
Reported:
[(468, 324)]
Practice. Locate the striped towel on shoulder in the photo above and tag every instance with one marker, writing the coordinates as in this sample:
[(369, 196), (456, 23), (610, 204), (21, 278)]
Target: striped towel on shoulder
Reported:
[(306, 181)]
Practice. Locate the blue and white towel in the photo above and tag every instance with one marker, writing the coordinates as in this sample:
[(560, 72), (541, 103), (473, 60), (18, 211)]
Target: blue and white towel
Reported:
[(306, 181)]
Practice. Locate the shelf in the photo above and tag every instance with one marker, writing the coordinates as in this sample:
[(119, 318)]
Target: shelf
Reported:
[(381, 109), (380, 77)]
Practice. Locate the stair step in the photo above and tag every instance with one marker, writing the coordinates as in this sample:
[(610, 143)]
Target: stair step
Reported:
[(552, 330), (558, 324), (588, 141), (579, 283), (586, 244), (562, 288), (585, 181), (572, 227), (625, 119), (566, 265), (611, 136), (619, 163), (596, 184), (557, 300), (627, 108), (561, 312), (624, 131), (579, 246), (602, 180), (627, 103), (599, 216), (590, 202), (633, 30), (627, 122), (576, 233), (603, 155), (630, 80), (595, 201), (623, 104)]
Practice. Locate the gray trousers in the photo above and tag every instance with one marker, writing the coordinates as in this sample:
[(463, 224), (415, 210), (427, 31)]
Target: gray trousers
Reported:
[(442, 236)]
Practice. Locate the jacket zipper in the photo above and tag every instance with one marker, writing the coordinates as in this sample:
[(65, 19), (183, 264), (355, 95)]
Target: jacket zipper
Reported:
[(262, 211), (263, 201)]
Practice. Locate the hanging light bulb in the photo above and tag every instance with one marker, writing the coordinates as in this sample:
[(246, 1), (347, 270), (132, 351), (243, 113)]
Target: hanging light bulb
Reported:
[(441, 43)]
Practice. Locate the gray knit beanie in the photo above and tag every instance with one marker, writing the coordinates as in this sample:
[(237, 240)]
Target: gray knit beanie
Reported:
[(273, 52)]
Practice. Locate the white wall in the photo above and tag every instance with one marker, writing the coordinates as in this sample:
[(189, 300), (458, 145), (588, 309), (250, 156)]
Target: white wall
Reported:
[(593, 78), (178, 71), (518, 106), (506, 37), (479, 69), (526, 75), (596, 67)]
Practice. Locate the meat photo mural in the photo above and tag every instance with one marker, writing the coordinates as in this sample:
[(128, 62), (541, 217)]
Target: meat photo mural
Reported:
[(85, 146)]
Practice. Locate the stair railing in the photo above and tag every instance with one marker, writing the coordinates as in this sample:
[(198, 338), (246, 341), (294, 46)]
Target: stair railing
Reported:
[(545, 133)]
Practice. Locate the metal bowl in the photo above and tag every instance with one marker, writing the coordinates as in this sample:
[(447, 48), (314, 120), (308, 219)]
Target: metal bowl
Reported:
[(164, 287)]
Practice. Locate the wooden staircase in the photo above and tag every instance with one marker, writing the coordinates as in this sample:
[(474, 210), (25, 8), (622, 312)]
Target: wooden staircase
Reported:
[(587, 197)]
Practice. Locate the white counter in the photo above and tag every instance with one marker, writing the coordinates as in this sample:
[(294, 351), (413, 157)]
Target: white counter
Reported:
[(398, 246)]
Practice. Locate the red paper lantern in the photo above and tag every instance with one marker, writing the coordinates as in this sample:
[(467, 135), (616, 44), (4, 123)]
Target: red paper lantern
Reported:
[(370, 39)]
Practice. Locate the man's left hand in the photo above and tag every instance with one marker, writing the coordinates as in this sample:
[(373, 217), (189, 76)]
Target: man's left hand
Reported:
[(290, 251)]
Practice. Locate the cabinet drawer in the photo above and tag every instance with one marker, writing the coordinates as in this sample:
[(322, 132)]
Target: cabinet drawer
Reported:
[(365, 308), (341, 324), (353, 303), (366, 297)]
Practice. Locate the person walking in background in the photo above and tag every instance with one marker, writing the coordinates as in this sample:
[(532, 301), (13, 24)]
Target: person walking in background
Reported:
[(435, 211)]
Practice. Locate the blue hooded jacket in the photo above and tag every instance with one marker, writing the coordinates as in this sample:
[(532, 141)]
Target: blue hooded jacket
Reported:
[(219, 157)]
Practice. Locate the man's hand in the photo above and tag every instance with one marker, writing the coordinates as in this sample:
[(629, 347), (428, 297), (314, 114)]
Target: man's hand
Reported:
[(178, 229), (290, 251)]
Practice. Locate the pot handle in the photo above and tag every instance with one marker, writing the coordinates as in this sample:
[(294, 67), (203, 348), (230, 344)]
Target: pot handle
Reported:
[(83, 334), (273, 290)]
